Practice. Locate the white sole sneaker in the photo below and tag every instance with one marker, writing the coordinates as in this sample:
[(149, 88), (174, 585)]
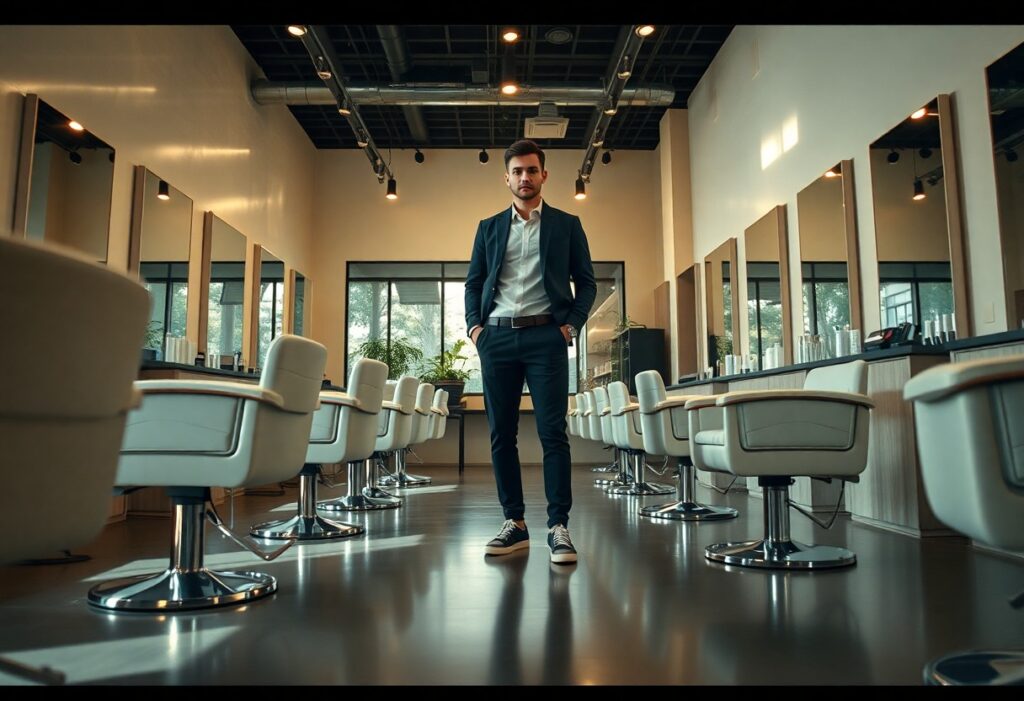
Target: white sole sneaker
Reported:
[(563, 558), (505, 550)]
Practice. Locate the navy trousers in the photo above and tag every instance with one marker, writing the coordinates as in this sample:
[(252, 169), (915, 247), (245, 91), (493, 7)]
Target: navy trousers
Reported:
[(539, 355)]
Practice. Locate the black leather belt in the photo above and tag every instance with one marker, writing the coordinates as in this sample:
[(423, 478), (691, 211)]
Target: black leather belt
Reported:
[(519, 322)]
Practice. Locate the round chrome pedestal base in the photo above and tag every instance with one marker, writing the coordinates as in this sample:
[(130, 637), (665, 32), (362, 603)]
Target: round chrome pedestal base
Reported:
[(380, 495), (608, 481), (305, 528), (605, 468), (978, 667), (358, 502), (689, 511), (404, 481), (641, 489), (786, 555), (172, 590)]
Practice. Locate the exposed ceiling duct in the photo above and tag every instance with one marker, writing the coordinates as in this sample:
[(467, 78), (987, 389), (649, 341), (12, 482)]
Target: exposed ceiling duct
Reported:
[(398, 62), (265, 92)]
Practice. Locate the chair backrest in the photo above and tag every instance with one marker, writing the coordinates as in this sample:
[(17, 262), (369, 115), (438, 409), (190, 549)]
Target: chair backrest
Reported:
[(594, 424), (73, 333), (618, 399), (848, 377), (395, 427), (438, 418), (421, 418), (295, 369), (650, 389), (604, 419), (365, 383)]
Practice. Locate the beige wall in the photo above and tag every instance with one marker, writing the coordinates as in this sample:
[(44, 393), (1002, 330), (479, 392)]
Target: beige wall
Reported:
[(175, 99), (842, 87), (440, 203), (821, 221)]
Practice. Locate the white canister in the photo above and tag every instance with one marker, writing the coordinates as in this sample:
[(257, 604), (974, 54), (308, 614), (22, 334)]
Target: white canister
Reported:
[(842, 343), (730, 365), (855, 341), (927, 331)]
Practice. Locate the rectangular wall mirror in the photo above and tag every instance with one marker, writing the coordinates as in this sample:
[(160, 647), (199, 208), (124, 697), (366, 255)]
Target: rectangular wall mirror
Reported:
[(1006, 106), (720, 300), (222, 313), (767, 269), (270, 303), (161, 230), (300, 304), (828, 255), (918, 231), (65, 180)]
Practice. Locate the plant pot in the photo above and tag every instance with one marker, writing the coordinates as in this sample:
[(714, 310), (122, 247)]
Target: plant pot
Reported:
[(148, 354), (454, 390)]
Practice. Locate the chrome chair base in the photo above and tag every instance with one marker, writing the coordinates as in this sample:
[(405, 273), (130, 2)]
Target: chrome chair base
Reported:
[(380, 495), (174, 590), (403, 481), (613, 467), (305, 528), (357, 502), (640, 489), (978, 667), (786, 554), (689, 511)]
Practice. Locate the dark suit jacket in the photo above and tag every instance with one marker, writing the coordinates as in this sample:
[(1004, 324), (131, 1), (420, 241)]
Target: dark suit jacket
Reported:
[(563, 254)]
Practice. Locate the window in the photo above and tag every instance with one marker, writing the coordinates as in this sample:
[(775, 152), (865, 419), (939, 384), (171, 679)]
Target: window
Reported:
[(826, 294), (224, 310), (423, 303), (764, 308), (914, 292), (168, 290)]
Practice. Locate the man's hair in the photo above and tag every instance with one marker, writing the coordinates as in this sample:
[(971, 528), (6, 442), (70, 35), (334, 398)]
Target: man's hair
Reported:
[(524, 148)]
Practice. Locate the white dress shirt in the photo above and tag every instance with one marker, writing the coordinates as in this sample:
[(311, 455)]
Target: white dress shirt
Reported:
[(521, 282)]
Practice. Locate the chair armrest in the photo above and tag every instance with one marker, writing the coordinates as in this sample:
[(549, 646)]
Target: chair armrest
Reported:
[(394, 406), (767, 395), (701, 403), (626, 409), (233, 390), (674, 402), (607, 410), (943, 380), (343, 399)]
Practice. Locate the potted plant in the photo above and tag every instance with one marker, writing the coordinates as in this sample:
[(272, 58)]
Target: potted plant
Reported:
[(445, 372), (399, 355)]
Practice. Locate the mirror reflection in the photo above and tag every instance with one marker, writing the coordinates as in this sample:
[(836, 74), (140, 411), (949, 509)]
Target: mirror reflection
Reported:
[(765, 249), (225, 315), (1006, 105), (165, 232), (72, 177), (911, 226), (271, 303), (821, 211), (598, 362), (719, 267), (299, 307)]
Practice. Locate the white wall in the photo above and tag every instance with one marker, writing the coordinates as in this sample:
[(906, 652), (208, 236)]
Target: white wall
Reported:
[(843, 86), (175, 99)]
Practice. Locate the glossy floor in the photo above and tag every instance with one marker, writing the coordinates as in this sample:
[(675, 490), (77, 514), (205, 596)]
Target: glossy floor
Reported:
[(414, 601)]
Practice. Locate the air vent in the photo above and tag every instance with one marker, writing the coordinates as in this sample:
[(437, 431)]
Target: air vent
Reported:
[(546, 125)]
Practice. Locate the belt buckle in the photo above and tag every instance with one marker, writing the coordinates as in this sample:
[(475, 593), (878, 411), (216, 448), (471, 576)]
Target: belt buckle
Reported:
[(518, 326)]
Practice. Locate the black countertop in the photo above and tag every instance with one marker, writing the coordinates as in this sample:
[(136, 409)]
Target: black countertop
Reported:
[(161, 365)]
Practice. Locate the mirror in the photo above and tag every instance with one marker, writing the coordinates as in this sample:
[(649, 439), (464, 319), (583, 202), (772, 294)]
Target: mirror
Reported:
[(828, 255), (722, 319), (597, 363), (161, 231), (270, 301), (65, 180), (224, 285), (767, 267), (917, 221), (300, 304), (1006, 105)]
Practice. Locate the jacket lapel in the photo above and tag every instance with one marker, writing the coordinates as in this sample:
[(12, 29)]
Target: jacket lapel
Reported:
[(504, 224), (547, 223)]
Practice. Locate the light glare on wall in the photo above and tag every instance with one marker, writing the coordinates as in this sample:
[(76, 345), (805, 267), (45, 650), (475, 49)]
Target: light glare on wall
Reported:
[(790, 134), (771, 149)]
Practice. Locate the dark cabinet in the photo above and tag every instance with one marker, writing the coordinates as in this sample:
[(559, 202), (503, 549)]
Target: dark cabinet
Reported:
[(636, 350)]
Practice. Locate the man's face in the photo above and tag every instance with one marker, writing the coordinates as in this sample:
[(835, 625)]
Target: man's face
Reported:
[(525, 177)]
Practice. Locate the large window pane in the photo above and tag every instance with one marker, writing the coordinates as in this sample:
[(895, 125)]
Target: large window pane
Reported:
[(455, 330), (416, 316), (367, 315)]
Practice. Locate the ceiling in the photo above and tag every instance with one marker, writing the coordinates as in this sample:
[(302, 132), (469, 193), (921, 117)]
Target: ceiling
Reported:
[(674, 57)]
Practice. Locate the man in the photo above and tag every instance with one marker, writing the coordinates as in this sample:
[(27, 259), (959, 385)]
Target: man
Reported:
[(522, 317)]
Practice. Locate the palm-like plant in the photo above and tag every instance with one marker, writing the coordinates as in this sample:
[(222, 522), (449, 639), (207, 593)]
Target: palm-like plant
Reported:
[(399, 354)]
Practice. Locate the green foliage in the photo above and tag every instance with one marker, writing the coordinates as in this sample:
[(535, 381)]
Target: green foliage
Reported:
[(154, 336), (399, 355), (447, 367)]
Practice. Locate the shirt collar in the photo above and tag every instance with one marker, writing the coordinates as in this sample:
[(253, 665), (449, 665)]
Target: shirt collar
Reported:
[(537, 211)]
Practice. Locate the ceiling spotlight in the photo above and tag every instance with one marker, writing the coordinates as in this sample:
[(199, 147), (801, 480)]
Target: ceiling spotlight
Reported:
[(419, 156), (598, 141), (833, 172), (625, 69), (76, 126), (361, 140), (322, 71), (392, 189), (918, 189), (1011, 155), (75, 157), (508, 72), (509, 88), (581, 189), (917, 114), (484, 157), (893, 157), (163, 191), (645, 30), (344, 109), (296, 30), (510, 34), (610, 108), (606, 157), (925, 152)]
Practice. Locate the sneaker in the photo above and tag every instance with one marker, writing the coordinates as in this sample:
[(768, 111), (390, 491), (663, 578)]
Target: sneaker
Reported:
[(509, 539), (560, 544)]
